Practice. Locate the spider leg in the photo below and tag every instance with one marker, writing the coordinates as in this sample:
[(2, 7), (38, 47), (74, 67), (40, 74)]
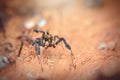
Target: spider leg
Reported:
[(37, 48), (56, 37), (68, 47), (39, 31), (65, 42)]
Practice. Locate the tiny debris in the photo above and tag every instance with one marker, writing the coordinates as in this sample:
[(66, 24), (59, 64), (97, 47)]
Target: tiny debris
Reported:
[(109, 45), (29, 24), (30, 76), (3, 61), (20, 49), (35, 20), (102, 46), (42, 23)]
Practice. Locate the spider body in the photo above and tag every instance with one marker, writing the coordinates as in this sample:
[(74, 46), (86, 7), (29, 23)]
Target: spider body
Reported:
[(48, 40)]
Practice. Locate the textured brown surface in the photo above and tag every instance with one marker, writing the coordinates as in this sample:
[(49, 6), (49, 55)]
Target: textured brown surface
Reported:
[(85, 29)]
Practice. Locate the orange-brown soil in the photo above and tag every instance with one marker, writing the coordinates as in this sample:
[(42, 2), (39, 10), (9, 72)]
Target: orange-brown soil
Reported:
[(85, 29)]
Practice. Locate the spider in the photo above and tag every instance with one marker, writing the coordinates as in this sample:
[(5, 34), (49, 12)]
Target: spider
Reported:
[(48, 40)]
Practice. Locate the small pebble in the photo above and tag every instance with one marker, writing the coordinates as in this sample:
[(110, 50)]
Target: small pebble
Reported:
[(3, 61), (102, 46), (42, 23), (29, 24)]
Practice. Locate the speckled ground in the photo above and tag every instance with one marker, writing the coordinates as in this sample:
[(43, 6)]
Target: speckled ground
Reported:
[(93, 33)]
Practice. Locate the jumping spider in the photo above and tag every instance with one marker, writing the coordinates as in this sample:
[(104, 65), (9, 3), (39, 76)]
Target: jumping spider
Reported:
[(48, 40)]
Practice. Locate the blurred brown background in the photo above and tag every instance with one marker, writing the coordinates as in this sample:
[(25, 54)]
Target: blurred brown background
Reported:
[(91, 27)]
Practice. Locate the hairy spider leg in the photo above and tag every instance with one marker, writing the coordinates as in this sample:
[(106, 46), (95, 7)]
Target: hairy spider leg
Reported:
[(39, 31), (37, 49), (67, 46), (55, 38), (65, 42)]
